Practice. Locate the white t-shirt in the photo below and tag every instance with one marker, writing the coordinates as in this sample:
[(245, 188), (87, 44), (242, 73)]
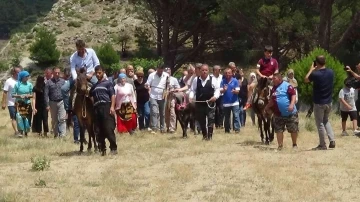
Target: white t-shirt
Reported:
[(348, 94), (8, 87), (157, 85)]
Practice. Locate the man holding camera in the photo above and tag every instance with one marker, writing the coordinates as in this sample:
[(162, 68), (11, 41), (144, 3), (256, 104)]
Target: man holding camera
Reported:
[(323, 85)]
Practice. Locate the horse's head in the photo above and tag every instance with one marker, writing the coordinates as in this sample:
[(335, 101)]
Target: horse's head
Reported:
[(262, 93), (81, 82), (180, 101)]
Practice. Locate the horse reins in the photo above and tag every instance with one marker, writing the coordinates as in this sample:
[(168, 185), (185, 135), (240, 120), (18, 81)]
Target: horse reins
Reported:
[(207, 102)]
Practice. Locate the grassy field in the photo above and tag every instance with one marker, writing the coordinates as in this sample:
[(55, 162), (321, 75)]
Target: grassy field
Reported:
[(167, 168)]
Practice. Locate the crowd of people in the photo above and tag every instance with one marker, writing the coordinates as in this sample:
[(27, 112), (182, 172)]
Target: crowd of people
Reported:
[(126, 100)]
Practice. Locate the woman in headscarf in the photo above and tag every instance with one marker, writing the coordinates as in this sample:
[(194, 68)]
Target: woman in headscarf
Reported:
[(252, 82), (39, 109), (125, 106), (291, 79), (23, 93)]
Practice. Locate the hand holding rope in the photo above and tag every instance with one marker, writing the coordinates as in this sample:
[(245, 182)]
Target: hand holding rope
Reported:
[(207, 102)]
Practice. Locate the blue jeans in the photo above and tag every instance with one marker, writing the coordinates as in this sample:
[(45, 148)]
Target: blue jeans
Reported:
[(144, 115), (242, 113), (236, 119), (65, 91), (76, 128)]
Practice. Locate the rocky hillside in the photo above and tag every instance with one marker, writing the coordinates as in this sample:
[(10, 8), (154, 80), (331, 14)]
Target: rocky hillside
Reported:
[(95, 21)]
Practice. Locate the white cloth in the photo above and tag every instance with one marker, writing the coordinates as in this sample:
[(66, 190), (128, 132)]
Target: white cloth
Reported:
[(348, 94), (8, 87), (174, 83), (218, 79), (90, 61), (157, 85), (214, 84)]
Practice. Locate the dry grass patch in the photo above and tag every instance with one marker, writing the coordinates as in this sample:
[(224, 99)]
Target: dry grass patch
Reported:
[(164, 167)]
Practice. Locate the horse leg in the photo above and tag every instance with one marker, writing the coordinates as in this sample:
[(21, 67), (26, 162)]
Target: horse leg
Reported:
[(260, 123), (92, 135), (89, 129), (82, 137)]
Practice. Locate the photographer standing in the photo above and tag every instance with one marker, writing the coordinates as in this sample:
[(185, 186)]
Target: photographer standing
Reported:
[(323, 85)]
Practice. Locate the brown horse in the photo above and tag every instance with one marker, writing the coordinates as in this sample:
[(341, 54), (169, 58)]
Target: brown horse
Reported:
[(260, 100), (185, 112), (84, 110)]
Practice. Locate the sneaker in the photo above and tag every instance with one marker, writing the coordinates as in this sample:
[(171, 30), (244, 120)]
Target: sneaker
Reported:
[(19, 134), (356, 132), (153, 132), (76, 142), (171, 131), (344, 133), (319, 147), (332, 145), (149, 129), (237, 131), (247, 106), (295, 147)]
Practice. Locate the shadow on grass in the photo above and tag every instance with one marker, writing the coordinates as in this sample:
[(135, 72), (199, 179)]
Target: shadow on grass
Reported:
[(250, 143), (76, 153)]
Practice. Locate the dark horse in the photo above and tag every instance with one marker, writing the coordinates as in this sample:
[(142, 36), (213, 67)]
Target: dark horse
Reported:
[(260, 100), (185, 112), (84, 110)]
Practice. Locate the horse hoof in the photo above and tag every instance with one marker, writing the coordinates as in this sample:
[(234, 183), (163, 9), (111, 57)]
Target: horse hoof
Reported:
[(267, 143)]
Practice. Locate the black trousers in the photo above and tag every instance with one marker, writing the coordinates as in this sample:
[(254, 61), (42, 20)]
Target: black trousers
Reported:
[(219, 114), (105, 126), (202, 112), (357, 104), (40, 121)]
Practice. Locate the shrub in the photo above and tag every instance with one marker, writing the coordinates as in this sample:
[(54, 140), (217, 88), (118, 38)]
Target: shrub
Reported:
[(107, 55), (40, 183), (44, 50), (15, 59), (146, 64), (40, 163), (301, 68), (4, 66), (74, 24), (84, 2)]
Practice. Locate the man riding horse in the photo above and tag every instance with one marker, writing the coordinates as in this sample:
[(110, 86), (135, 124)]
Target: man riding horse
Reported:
[(266, 68), (82, 58)]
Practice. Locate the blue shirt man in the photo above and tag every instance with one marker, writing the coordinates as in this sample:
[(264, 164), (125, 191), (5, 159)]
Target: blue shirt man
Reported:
[(230, 88)]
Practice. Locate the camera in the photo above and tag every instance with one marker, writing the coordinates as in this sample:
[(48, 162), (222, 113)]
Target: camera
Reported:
[(314, 63)]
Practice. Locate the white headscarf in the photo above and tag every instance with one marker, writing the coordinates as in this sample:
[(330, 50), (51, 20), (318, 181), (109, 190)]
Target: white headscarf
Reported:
[(252, 74)]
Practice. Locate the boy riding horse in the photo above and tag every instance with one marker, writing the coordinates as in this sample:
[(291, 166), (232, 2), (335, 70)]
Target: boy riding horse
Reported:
[(266, 68)]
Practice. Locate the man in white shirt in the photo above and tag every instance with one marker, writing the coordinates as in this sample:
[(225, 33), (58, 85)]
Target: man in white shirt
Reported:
[(219, 115), (8, 100), (206, 90), (170, 115), (82, 58), (156, 82)]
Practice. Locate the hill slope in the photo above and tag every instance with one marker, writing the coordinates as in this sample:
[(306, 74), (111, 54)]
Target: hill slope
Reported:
[(94, 22)]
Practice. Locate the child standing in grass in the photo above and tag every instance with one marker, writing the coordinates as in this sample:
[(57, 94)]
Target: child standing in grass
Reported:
[(347, 107)]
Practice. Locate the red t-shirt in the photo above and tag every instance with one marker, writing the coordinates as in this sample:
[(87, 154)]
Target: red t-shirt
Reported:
[(267, 67)]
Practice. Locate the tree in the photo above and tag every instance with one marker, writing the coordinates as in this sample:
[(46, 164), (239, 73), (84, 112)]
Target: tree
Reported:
[(107, 55), (301, 68), (183, 27), (43, 51)]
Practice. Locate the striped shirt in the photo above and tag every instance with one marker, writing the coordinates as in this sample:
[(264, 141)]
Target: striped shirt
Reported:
[(102, 92)]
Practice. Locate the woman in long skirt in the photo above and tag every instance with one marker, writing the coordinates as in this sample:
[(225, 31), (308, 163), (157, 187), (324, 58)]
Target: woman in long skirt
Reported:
[(125, 106), (39, 110), (23, 93)]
